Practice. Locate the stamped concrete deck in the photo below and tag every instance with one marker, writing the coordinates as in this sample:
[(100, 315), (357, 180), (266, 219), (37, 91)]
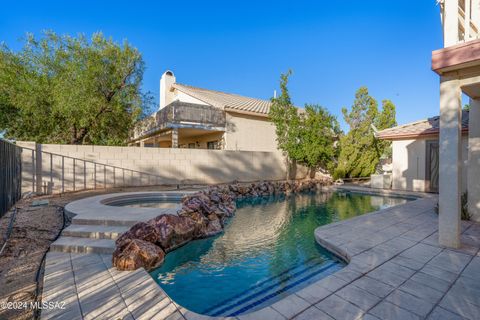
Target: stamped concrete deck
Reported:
[(396, 270)]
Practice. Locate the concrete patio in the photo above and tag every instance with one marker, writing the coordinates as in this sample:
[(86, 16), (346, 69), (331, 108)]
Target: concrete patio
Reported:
[(396, 270)]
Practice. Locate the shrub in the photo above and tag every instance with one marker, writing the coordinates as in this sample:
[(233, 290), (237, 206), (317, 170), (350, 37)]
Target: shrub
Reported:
[(465, 215)]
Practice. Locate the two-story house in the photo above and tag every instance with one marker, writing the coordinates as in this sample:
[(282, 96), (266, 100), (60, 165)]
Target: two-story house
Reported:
[(191, 117)]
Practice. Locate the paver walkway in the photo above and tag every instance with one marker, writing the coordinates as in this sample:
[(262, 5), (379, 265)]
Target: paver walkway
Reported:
[(92, 289), (397, 270)]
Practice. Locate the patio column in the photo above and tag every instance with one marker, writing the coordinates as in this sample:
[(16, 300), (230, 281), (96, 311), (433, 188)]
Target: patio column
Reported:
[(450, 161), (175, 138), (473, 176)]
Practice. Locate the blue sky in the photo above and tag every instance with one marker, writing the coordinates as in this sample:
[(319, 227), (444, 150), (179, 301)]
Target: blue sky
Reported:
[(333, 47)]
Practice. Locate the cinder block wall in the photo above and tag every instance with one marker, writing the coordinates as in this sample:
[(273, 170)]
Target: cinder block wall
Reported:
[(171, 166)]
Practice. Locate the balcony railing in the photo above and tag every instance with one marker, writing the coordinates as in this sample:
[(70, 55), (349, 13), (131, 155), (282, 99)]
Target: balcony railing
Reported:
[(468, 29), (461, 21), (181, 114)]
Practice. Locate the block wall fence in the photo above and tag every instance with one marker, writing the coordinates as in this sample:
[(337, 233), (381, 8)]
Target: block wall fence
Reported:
[(136, 166)]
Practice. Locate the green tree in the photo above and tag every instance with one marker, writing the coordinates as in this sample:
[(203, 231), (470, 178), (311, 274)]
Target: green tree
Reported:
[(307, 137), (386, 119), (318, 133), (287, 121), (360, 150), (61, 89)]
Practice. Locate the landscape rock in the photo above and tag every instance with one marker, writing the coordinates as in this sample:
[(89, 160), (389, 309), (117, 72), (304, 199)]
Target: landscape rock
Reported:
[(136, 254), (174, 231), (141, 231)]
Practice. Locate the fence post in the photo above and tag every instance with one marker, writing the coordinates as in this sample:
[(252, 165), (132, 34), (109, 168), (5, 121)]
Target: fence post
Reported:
[(38, 167), (74, 173), (63, 174), (33, 171)]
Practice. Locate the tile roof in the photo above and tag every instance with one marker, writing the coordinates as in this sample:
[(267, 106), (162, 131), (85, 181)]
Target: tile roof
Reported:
[(226, 101), (428, 127)]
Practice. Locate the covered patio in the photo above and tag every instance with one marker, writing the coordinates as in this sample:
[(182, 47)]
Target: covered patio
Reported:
[(182, 125), (458, 65), (190, 137)]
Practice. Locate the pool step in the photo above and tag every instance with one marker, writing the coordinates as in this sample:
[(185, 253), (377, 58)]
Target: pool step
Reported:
[(83, 245), (94, 231), (126, 222), (271, 289)]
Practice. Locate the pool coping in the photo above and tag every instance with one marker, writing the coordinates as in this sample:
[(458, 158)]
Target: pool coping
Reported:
[(361, 259)]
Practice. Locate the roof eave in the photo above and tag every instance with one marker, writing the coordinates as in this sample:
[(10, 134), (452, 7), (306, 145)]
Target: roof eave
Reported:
[(408, 136), (251, 113)]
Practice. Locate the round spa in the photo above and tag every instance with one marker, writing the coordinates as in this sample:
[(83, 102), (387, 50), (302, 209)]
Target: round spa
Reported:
[(126, 208)]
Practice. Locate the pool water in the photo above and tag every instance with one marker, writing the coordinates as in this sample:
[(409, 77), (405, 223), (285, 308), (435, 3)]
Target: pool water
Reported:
[(266, 252), (146, 203)]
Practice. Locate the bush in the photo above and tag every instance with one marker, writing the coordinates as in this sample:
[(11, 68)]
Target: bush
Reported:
[(465, 215), (464, 202), (338, 174)]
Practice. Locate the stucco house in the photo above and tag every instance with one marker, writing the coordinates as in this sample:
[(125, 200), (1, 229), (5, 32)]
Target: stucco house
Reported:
[(443, 153), (415, 154), (191, 117)]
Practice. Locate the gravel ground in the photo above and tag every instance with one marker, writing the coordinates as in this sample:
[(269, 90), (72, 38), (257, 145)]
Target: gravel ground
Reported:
[(35, 227)]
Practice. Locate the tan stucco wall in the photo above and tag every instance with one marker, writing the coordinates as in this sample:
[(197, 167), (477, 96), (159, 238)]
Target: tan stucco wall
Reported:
[(173, 166), (245, 132), (409, 164)]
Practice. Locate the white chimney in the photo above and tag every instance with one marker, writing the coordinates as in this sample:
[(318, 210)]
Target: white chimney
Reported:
[(166, 95)]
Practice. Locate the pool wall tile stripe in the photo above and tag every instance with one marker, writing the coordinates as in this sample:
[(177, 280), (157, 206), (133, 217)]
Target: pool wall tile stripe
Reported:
[(249, 298), (333, 268), (260, 284), (253, 294)]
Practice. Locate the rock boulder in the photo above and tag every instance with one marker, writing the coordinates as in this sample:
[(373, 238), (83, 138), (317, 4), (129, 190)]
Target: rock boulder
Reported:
[(136, 254)]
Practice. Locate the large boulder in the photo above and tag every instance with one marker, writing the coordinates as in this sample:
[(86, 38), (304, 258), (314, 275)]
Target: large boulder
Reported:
[(174, 231), (136, 254), (200, 223), (204, 226), (215, 226), (142, 231)]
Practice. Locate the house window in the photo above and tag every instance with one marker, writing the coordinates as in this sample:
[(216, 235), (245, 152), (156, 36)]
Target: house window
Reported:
[(212, 145), (191, 145)]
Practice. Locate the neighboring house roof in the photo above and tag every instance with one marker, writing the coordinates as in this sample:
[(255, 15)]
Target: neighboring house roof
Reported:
[(428, 127), (227, 101)]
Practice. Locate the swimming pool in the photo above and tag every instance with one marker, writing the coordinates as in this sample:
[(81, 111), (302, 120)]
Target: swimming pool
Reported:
[(266, 252)]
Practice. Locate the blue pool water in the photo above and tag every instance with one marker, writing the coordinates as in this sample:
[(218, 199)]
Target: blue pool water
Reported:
[(266, 252)]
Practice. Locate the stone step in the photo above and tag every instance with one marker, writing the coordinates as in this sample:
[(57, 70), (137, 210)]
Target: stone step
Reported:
[(83, 245), (94, 231), (117, 222)]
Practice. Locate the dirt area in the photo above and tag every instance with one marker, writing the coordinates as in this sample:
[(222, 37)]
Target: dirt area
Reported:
[(35, 227)]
